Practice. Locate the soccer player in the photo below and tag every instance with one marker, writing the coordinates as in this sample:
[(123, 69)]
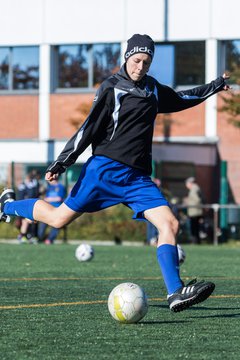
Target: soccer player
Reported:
[(120, 129)]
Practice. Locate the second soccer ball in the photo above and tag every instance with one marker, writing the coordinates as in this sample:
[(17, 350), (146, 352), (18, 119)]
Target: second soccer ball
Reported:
[(84, 252), (181, 254)]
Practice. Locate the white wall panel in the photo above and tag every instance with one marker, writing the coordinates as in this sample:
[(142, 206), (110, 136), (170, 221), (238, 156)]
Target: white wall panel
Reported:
[(74, 21), (23, 151), (21, 22), (44, 92), (59, 145), (33, 151), (145, 17), (27, 22), (211, 73), (225, 19), (189, 19)]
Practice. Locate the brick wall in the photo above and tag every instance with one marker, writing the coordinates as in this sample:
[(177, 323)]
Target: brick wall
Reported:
[(64, 109), (189, 122), (229, 150), (19, 117)]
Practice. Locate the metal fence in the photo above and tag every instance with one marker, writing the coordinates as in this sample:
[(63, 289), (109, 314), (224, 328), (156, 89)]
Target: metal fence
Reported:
[(223, 217)]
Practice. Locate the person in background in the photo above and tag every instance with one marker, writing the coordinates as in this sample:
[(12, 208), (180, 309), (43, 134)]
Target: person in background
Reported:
[(28, 189), (55, 194), (194, 210), (120, 129)]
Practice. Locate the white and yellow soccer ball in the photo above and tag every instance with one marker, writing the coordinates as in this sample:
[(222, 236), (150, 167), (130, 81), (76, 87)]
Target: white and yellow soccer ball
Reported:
[(84, 252), (181, 254), (127, 303)]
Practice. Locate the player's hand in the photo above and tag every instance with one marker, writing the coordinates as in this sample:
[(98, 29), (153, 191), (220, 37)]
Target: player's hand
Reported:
[(50, 176), (226, 86), (54, 171)]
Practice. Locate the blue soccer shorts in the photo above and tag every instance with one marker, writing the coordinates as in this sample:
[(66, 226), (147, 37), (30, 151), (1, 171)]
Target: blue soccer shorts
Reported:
[(104, 182)]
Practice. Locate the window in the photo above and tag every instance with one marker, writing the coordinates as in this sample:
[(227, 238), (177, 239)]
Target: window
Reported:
[(86, 66), (19, 68), (231, 59), (4, 68), (179, 64), (106, 61), (25, 67), (163, 64), (73, 66), (190, 63)]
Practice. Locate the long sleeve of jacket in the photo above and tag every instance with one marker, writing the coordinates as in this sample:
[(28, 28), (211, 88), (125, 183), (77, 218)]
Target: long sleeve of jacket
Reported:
[(171, 101), (86, 134)]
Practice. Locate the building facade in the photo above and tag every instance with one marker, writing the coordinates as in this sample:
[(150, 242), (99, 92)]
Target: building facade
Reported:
[(53, 55)]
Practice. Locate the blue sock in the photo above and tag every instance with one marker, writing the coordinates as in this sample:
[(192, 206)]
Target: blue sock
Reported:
[(167, 256), (23, 208)]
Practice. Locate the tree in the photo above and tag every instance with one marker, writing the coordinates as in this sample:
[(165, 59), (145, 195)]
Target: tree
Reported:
[(82, 112), (232, 108), (163, 125), (231, 102)]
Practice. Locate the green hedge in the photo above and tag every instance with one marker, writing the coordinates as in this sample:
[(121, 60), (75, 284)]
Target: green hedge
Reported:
[(109, 224)]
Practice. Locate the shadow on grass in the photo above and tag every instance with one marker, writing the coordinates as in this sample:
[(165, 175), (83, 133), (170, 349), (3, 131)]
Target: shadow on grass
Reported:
[(218, 315), (202, 308), (163, 322), (189, 309), (159, 306)]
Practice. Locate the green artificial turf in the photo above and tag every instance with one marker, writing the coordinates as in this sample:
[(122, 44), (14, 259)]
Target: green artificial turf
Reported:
[(54, 307)]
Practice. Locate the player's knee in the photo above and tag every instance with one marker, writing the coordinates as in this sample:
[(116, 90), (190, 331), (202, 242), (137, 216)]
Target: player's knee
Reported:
[(58, 222), (169, 226), (57, 225)]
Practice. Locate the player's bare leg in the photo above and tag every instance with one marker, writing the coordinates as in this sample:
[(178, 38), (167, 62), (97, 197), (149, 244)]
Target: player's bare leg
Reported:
[(165, 222), (35, 210), (54, 216)]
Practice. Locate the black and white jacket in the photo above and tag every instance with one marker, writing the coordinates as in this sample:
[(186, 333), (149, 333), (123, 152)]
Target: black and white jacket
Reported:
[(121, 121)]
